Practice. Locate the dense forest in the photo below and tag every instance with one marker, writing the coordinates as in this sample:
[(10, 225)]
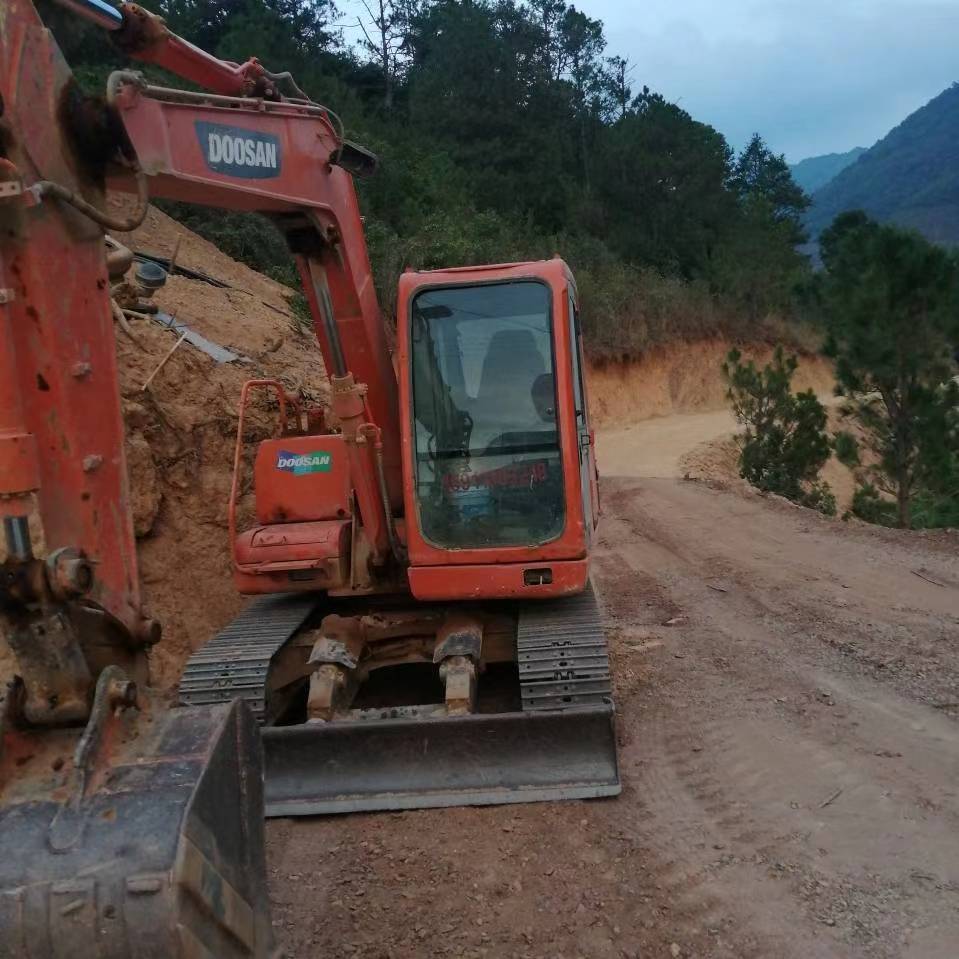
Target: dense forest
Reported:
[(505, 131), (910, 177)]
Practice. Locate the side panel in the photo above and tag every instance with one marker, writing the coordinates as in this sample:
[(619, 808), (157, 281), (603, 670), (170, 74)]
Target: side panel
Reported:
[(301, 478), (519, 580)]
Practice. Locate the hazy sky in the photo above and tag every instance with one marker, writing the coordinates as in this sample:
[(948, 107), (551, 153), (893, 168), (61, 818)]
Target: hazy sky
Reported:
[(812, 76)]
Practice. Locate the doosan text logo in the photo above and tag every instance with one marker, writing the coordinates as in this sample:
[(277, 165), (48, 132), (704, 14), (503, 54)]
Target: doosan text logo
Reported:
[(302, 464), (222, 148), (238, 152)]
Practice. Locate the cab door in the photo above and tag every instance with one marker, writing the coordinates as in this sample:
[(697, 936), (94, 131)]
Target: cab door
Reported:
[(587, 455)]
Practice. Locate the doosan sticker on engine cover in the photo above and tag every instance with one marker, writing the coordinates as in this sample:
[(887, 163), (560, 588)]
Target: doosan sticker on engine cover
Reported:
[(302, 464), (238, 152)]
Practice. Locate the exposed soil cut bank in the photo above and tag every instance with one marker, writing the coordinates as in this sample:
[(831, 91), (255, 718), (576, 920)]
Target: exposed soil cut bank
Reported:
[(681, 378), (181, 431)]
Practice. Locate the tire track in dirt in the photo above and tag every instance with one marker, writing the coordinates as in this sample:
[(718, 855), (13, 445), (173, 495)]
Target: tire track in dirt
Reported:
[(778, 762), (688, 822)]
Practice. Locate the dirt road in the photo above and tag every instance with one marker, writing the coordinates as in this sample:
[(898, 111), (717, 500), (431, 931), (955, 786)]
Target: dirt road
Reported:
[(655, 447), (788, 695)]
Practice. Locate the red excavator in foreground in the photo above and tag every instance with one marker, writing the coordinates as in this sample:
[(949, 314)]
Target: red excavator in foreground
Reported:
[(423, 632)]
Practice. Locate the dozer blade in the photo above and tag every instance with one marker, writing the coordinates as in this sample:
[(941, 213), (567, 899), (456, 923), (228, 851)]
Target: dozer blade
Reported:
[(456, 761), (159, 854), (561, 746)]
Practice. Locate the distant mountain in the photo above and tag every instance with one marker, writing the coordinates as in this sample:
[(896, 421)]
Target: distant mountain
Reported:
[(910, 177), (815, 172)]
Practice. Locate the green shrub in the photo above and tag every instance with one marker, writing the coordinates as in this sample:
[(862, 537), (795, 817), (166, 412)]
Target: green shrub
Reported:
[(784, 444), (868, 504)]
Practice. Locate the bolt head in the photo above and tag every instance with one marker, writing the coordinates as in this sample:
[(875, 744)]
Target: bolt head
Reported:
[(122, 693), (69, 573), (78, 575)]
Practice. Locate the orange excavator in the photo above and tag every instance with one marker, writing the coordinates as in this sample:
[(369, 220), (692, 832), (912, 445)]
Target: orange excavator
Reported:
[(422, 630)]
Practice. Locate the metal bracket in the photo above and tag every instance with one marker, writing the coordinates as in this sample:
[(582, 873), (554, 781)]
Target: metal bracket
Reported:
[(459, 636), (331, 651), (459, 676), (333, 682), (54, 670), (332, 690), (459, 651), (114, 691)]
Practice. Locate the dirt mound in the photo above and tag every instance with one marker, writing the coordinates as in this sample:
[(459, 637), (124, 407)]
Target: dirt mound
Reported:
[(714, 459), (680, 378), (181, 430)]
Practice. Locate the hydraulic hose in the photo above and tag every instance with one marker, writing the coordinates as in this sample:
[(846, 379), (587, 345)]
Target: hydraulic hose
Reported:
[(373, 436), (45, 188)]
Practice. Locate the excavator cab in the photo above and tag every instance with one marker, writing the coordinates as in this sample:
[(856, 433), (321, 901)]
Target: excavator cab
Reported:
[(498, 466), (497, 448), (466, 663)]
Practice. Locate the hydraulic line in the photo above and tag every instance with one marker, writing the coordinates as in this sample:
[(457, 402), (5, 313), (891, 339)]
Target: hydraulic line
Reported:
[(45, 188), (396, 547)]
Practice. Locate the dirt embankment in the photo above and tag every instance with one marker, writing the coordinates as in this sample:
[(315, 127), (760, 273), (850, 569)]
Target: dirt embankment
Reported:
[(681, 378), (667, 415)]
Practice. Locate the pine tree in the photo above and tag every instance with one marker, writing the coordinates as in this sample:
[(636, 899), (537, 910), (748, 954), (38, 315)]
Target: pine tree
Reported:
[(891, 302)]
